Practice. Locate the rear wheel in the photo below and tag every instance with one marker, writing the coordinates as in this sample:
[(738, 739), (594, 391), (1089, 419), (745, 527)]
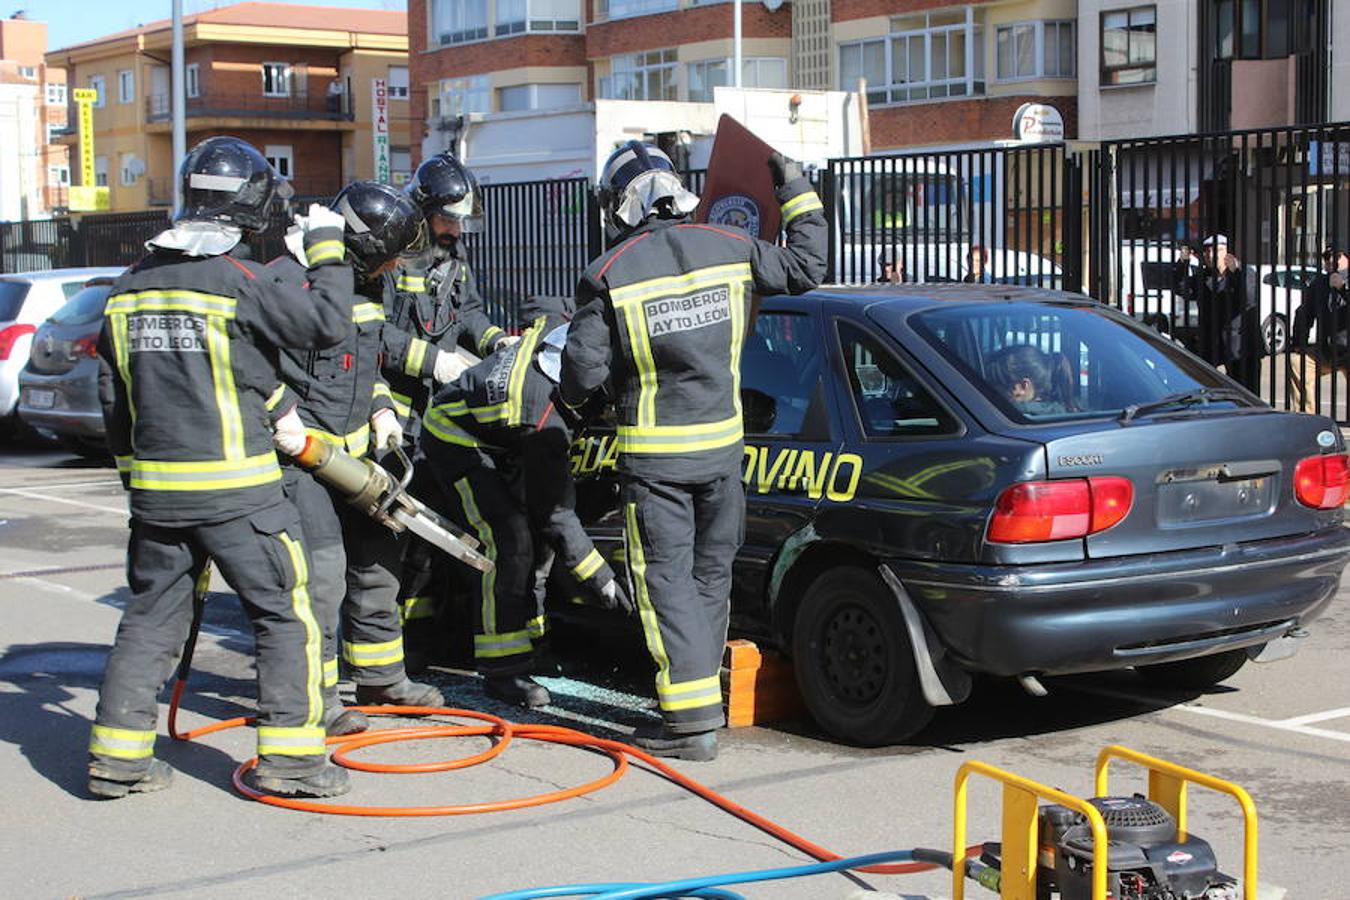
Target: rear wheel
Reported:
[(854, 661), (1194, 674), (1275, 333)]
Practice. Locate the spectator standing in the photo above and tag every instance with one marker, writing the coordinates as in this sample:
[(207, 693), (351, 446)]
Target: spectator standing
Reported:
[(1326, 306), (977, 265)]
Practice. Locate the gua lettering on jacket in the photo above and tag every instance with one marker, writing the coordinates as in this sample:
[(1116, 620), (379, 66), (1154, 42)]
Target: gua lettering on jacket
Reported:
[(671, 315), (166, 333), (497, 384)]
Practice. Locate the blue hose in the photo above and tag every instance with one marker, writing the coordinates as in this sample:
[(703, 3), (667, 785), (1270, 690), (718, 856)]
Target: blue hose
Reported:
[(705, 888)]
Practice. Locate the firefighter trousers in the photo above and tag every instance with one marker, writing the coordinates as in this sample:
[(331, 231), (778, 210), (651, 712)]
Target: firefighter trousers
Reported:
[(680, 540), (263, 558)]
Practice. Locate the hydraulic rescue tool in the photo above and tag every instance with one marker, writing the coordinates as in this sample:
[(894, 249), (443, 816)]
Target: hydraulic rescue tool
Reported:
[(369, 487)]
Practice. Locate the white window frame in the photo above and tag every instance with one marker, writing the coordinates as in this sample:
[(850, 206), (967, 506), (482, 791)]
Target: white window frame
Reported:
[(638, 66), (277, 154), (470, 21), (192, 81), (970, 84), (536, 16), (1039, 29), (126, 177), (53, 128), (28, 72), (101, 171), (56, 93), (610, 10), (1147, 67), (99, 85), (287, 71), (126, 86), (58, 176), (751, 71), (463, 96), (397, 91)]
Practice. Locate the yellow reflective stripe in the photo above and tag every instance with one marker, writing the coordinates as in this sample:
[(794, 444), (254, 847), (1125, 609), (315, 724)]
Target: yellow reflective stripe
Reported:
[(487, 580), (123, 463), (537, 627), (739, 308), (417, 355), (690, 694), (402, 403), (121, 350), (380, 389), (304, 611), (358, 441), (414, 283), (330, 672), (676, 284), (227, 398), (121, 743), (801, 204), (440, 426), (679, 438), (637, 570), (275, 397), (510, 643), (524, 357), (171, 301), (323, 251), (588, 566), (367, 312), (490, 335), (635, 320), (382, 654), (205, 475), (278, 740), (414, 608)]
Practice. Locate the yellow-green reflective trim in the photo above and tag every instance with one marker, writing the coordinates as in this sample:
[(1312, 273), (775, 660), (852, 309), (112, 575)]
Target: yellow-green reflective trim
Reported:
[(402, 403), (367, 312), (300, 603), (537, 627), (635, 320), (487, 580), (443, 428), (206, 475), (356, 443), (323, 251), (158, 300), (519, 366), (679, 438), (490, 334), (278, 740), (677, 284), (417, 355), (275, 397), (380, 389), (637, 569), (690, 694), (414, 608), (121, 350), (227, 398), (121, 743), (495, 646), (588, 566), (417, 284), (330, 672), (123, 463), (800, 205), (383, 654)]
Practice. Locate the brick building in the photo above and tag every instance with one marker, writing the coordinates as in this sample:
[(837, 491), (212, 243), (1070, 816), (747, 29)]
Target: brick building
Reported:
[(34, 170), (296, 81)]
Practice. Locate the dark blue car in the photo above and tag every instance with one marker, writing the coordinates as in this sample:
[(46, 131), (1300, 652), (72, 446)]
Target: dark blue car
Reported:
[(945, 480)]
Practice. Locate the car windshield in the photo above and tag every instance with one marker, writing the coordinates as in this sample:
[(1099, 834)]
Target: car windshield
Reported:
[(12, 294), (1046, 363), (84, 307)]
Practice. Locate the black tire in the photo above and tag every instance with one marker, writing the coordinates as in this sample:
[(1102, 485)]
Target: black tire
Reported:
[(1194, 674), (1275, 334), (854, 661)]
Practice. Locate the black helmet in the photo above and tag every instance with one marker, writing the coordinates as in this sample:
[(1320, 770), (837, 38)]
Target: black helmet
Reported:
[(444, 186), (382, 223), (225, 179), (625, 202)]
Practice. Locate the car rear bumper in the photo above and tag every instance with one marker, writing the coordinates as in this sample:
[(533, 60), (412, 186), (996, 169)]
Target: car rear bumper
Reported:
[(75, 411), (1113, 613)]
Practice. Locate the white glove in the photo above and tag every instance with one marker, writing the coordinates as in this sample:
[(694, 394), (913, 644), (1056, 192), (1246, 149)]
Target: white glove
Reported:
[(320, 216), (448, 367), (295, 243), (288, 435), (506, 341), (386, 430)]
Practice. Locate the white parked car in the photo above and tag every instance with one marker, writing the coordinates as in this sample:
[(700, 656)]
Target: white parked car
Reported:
[(1281, 290), (26, 300)]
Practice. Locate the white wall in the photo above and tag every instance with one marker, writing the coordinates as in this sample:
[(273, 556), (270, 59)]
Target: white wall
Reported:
[(18, 154), (828, 124), (1340, 61)]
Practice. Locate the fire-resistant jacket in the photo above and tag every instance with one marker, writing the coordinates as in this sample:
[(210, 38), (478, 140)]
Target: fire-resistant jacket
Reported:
[(506, 405), (436, 306), (663, 315), (337, 389), (192, 349)]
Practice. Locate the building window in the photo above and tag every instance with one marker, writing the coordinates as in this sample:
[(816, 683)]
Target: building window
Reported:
[(400, 164), (461, 96), (537, 96), (276, 79), (641, 76), (99, 86), (126, 86), (53, 129), (923, 58), (100, 171), (458, 21), (29, 72), (1035, 50), (516, 16), (193, 78), (398, 83), (622, 9), (757, 72), (128, 170), (1130, 46), (56, 95), (58, 176), (282, 158), (1258, 29)]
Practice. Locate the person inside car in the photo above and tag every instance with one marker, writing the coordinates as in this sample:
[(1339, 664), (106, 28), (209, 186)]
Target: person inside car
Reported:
[(1035, 382)]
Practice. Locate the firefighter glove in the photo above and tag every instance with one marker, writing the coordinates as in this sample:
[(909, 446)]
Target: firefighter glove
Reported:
[(615, 597), (783, 169), (448, 367), (288, 435), (320, 216), (385, 429), (505, 341)]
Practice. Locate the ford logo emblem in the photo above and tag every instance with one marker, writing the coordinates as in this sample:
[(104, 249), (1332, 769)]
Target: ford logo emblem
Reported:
[(1326, 439)]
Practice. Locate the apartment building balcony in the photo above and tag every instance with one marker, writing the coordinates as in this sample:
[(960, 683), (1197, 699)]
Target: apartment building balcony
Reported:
[(295, 110)]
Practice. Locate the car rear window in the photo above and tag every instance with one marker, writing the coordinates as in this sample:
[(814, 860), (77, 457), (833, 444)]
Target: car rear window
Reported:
[(86, 306), (12, 294), (1043, 363)]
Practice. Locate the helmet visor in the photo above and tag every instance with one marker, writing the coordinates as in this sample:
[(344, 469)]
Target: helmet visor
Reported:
[(467, 211)]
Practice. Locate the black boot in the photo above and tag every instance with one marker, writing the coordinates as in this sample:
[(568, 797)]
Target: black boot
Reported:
[(518, 690), (330, 781), (696, 746), (345, 721), (105, 785), (400, 693)]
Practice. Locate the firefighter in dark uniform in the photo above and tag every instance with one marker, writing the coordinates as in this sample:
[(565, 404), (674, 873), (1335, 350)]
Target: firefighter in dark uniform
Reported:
[(338, 395), (497, 444), (437, 307), (190, 335), (662, 315)]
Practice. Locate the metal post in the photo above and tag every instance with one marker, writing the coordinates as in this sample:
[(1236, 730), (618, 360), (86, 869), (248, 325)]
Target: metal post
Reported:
[(736, 40), (178, 93)]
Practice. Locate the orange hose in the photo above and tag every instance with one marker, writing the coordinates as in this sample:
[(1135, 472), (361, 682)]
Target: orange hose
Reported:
[(504, 732)]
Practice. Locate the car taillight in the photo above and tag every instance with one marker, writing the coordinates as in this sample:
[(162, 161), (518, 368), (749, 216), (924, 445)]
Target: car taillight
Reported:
[(1036, 511), (1322, 482), (10, 336), (85, 346)]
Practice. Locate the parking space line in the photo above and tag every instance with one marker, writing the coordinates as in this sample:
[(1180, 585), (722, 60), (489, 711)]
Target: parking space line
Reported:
[(1318, 717), (106, 482), (36, 496)]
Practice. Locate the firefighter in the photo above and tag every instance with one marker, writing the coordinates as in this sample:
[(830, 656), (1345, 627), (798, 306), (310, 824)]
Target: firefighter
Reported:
[(662, 315), (437, 307), (497, 444), (339, 396), (190, 335)]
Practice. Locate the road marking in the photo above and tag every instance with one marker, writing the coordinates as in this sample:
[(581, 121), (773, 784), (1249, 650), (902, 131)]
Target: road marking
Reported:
[(36, 496), (1318, 717), (65, 484), (56, 588)]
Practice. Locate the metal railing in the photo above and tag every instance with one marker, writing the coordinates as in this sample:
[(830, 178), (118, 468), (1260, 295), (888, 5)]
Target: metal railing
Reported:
[(295, 105)]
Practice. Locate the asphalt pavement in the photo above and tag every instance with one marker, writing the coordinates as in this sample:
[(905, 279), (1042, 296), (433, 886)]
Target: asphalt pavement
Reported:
[(1280, 730)]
